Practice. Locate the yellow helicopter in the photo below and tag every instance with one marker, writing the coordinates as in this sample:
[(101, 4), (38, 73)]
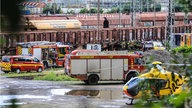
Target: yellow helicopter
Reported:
[(157, 82)]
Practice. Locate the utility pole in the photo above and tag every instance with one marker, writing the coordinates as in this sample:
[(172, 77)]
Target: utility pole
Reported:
[(119, 13), (98, 19), (154, 7), (147, 6), (135, 8), (169, 28), (54, 7), (133, 14)]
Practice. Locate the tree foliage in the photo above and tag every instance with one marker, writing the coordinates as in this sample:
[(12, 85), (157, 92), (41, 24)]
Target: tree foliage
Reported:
[(184, 49), (186, 5), (54, 9), (113, 10), (92, 10), (84, 10)]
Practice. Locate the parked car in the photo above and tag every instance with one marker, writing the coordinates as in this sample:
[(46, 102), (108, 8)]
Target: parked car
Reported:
[(153, 45), (20, 63)]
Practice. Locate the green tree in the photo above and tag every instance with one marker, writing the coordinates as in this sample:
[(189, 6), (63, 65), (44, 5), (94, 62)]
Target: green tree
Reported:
[(113, 10), (53, 8), (70, 12), (146, 5), (158, 7), (93, 10), (59, 11), (178, 8), (186, 5), (101, 11), (84, 10), (126, 8), (46, 9)]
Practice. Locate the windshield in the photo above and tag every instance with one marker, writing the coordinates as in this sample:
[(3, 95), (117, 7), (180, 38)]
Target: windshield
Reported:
[(5, 59), (134, 81), (62, 52), (138, 61)]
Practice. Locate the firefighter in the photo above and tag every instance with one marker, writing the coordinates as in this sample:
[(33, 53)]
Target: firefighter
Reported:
[(53, 55)]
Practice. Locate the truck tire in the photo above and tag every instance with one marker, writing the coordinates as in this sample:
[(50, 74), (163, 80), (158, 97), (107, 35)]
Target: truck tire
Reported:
[(131, 75), (93, 79), (17, 70)]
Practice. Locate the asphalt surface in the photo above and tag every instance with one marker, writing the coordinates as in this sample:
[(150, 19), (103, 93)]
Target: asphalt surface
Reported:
[(62, 94)]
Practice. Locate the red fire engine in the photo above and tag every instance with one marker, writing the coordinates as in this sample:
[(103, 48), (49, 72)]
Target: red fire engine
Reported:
[(50, 53), (106, 67)]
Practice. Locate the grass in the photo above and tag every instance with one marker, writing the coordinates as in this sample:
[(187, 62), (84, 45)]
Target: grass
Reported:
[(51, 74), (55, 77), (12, 74)]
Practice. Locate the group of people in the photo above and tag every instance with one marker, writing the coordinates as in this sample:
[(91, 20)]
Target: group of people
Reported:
[(49, 54)]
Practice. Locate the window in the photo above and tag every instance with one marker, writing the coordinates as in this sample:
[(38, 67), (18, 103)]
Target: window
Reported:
[(21, 59), (28, 59), (6, 59), (15, 59), (62, 52), (138, 61), (36, 60)]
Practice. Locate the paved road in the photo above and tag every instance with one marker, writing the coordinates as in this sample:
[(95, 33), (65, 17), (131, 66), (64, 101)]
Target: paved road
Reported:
[(64, 94)]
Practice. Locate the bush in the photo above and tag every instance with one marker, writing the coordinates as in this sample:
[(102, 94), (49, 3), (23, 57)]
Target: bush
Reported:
[(184, 49)]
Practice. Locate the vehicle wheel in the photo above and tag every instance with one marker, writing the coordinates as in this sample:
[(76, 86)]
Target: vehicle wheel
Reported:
[(39, 69), (93, 79), (6, 71), (18, 70), (45, 65), (129, 76)]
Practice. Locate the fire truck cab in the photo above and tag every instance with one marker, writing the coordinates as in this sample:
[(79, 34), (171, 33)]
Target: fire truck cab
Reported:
[(50, 53), (104, 67), (20, 63)]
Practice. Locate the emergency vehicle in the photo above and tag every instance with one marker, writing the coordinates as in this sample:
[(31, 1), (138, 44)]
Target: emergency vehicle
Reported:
[(79, 52), (50, 53), (20, 63), (104, 67)]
